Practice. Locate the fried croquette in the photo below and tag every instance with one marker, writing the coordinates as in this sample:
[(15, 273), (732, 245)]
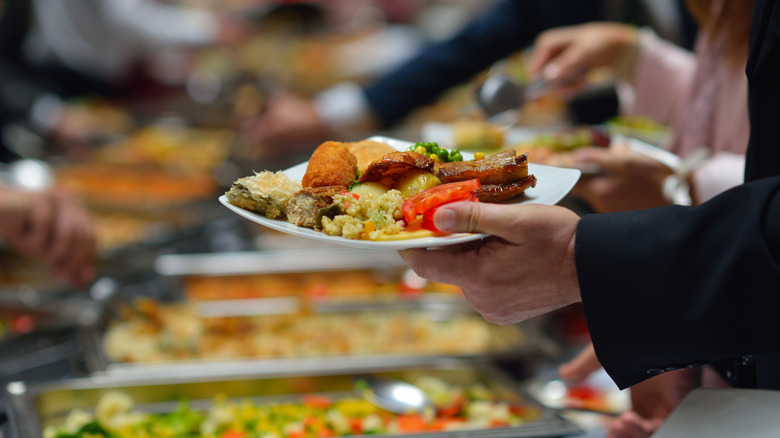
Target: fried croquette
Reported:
[(331, 164)]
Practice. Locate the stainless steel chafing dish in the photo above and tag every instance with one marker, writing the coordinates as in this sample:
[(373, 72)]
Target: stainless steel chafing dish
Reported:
[(524, 341), (34, 406)]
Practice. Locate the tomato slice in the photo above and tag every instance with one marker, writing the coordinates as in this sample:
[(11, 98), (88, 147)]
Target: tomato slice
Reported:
[(427, 218), (439, 195)]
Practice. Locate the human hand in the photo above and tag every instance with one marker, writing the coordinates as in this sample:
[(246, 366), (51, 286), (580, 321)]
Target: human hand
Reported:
[(628, 180), (633, 425), (526, 268), (581, 366), (288, 123), (52, 226), (561, 55), (650, 402)]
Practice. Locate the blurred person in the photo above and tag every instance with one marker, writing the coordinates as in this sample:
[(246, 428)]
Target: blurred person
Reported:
[(53, 51), (663, 289), (701, 95), (52, 226), (292, 122)]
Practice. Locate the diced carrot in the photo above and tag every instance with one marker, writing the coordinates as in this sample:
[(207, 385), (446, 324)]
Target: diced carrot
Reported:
[(453, 409), (442, 423), (232, 433), (356, 424), (317, 401), (411, 423), (368, 227), (324, 432)]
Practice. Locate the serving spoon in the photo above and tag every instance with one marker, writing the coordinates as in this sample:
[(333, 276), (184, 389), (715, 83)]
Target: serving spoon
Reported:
[(392, 395), (501, 97)]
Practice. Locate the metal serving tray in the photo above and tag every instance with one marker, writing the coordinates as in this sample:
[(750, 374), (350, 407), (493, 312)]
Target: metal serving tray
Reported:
[(34, 406), (505, 342), (525, 341)]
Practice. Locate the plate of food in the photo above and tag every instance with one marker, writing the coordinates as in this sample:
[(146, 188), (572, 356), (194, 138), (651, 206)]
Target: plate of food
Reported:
[(381, 192)]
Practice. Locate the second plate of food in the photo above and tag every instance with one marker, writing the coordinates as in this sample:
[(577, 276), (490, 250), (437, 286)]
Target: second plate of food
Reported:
[(553, 183)]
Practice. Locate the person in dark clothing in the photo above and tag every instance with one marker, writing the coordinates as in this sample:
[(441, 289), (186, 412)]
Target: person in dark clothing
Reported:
[(291, 122)]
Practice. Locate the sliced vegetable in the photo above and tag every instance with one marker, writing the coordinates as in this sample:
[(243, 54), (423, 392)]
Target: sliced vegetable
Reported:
[(427, 219), (439, 195)]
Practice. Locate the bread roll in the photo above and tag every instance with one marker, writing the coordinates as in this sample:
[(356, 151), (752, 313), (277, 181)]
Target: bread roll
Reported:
[(367, 151)]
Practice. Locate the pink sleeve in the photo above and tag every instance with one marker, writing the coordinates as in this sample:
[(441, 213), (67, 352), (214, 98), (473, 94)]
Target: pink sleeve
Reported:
[(661, 86)]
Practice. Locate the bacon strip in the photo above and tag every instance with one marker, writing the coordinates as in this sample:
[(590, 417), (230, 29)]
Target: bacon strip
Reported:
[(501, 168), (502, 192), (392, 167)]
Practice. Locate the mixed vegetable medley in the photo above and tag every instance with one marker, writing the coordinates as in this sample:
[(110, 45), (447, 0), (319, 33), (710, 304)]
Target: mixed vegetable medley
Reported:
[(311, 416)]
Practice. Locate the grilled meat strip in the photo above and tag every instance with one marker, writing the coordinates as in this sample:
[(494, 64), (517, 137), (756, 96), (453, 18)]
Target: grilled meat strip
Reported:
[(394, 166), (501, 168), (502, 192)]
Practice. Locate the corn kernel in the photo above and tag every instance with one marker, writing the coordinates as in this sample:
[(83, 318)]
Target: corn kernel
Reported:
[(479, 155)]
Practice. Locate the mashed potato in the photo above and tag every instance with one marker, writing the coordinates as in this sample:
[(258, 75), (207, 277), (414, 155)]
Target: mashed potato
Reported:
[(365, 217)]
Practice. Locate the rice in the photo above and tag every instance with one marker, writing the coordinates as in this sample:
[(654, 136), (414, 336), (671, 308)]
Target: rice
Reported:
[(365, 217)]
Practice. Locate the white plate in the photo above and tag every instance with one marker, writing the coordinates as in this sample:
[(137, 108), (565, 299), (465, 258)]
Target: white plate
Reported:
[(442, 133), (553, 183)]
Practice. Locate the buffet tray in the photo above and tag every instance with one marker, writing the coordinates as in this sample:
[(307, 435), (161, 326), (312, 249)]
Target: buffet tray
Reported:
[(329, 258), (504, 343), (31, 407), (434, 303)]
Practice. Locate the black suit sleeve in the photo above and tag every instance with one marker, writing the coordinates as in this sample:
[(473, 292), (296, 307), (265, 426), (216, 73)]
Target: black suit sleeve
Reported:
[(508, 27), (673, 287)]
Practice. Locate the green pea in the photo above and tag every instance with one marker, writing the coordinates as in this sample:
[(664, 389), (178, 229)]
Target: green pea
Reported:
[(443, 154), (455, 155), (421, 145)]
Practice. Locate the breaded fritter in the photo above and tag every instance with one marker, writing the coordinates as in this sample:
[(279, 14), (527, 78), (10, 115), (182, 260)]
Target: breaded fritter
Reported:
[(331, 164)]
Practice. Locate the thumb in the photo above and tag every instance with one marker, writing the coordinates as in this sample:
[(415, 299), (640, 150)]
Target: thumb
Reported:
[(480, 217)]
